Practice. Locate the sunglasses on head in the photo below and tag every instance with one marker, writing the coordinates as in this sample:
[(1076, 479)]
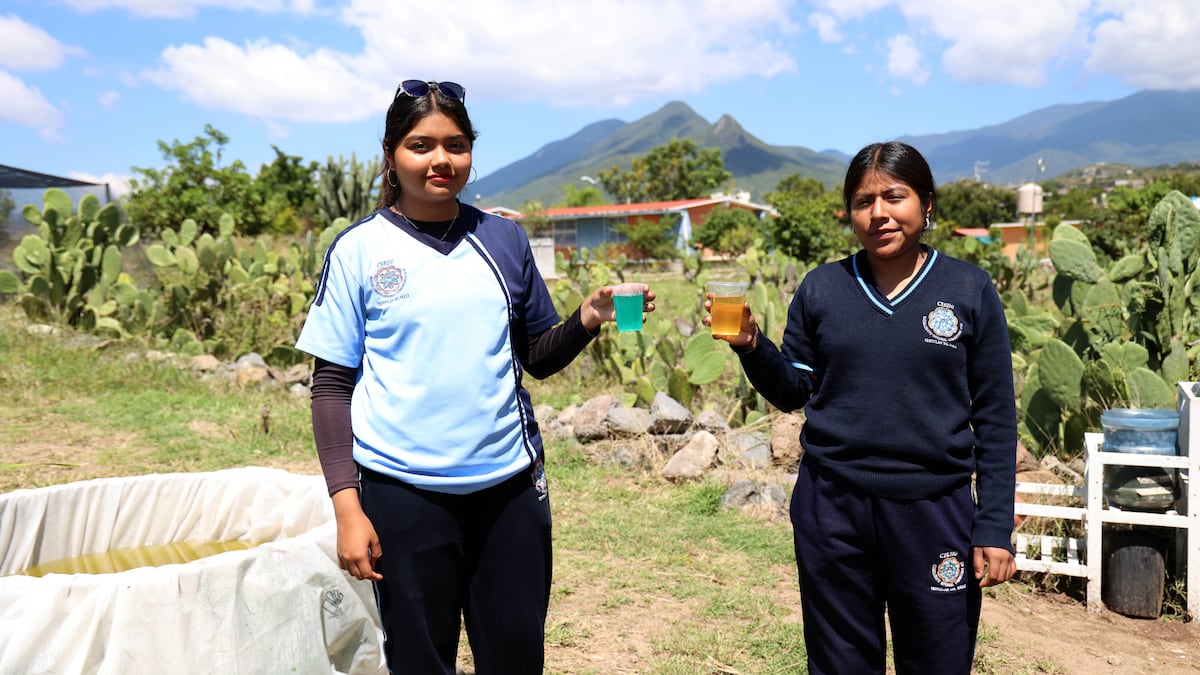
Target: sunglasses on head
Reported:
[(419, 88)]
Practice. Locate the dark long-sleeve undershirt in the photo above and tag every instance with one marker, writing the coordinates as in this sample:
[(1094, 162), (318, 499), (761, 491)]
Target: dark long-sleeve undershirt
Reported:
[(332, 388)]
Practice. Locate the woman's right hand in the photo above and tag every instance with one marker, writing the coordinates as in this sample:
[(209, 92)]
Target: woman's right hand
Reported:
[(357, 543), (747, 338)]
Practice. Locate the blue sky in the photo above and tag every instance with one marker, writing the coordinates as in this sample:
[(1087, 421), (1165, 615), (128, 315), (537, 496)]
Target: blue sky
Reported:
[(89, 87)]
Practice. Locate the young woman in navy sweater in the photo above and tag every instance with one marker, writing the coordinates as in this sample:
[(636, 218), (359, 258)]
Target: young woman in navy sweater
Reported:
[(900, 357)]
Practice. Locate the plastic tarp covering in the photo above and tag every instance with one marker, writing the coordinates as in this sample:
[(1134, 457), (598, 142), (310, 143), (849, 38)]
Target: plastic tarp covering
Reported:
[(283, 606)]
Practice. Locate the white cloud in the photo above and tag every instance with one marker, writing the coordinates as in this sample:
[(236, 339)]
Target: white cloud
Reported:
[(1012, 42), (1147, 43), (826, 26), (118, 184), (904, 60), (608, 53), (25, 105), (578, 54), (109, 98), (177, 9), (1152, 46), (268, 80), (26, 47)]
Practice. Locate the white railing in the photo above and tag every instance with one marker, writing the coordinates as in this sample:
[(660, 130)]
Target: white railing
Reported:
[(1081, 556)]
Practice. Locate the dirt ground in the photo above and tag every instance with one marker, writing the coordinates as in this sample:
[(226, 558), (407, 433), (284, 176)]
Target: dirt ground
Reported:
[(1024, 631)]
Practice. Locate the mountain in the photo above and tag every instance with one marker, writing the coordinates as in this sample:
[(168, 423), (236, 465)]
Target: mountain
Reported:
[(756, 166), (1148, 128)]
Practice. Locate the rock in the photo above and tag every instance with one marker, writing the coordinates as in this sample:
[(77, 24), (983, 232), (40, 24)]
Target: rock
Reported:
[(627, 422), (1025, 461), (785, 440), (567, 415), (205, 363), (698, 456), (1039, 476), (711, 420), (250, 375), (589, 421), (297, 373), (668, 416), (626, 457), (250, 360), (758, 498), (746, 449), (669, 444)]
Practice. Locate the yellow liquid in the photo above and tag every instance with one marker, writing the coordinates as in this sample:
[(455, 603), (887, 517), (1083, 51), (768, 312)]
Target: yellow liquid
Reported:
[(727, 314), (122, 559)]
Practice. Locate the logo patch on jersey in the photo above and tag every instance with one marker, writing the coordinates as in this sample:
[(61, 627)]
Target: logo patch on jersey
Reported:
[(942, 324), (948, 571), (388, 280), (539, 481)]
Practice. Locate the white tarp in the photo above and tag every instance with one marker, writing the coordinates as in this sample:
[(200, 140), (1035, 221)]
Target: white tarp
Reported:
[(283, 606)]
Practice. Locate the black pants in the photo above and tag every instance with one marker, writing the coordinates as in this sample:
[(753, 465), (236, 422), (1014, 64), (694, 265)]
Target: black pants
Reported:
[(483, 556), (858, 554)]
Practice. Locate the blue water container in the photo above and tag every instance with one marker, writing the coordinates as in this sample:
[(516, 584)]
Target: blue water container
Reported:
[(1151, 431)]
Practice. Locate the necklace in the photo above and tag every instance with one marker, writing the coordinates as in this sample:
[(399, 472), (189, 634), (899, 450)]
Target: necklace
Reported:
[(449, 225)]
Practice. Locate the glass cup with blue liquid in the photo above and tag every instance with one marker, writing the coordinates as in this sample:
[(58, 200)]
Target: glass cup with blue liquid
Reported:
[(629, 303)]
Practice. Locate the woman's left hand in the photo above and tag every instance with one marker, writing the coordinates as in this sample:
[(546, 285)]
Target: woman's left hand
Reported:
[(993, 565), (598, 307)]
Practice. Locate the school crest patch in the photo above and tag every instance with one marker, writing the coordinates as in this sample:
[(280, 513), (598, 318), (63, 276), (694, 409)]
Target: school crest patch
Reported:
[(948, 571), (388, 280), (942, 325)]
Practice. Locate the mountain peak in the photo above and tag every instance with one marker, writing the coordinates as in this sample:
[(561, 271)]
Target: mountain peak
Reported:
[(727, 125)]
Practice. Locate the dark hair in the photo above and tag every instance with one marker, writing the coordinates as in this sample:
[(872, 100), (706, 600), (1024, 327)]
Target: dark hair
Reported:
[(404, 114), (898, 160)]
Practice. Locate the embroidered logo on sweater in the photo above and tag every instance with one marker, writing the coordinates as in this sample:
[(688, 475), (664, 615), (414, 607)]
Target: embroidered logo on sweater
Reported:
[(948, 571), (942, 325)]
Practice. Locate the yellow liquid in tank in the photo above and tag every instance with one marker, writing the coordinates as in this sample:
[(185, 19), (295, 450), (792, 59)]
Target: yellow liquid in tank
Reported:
[(123, 559)]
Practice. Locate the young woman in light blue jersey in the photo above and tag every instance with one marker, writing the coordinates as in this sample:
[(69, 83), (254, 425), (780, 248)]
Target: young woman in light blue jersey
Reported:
[(427, 316)]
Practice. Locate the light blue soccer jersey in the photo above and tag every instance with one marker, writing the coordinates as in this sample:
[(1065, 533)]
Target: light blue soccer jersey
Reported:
[(438, 402)]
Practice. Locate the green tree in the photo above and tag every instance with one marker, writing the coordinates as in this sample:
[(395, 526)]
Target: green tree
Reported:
[(1122, 226), (812, 224), (284, 194), (729, 231), (970, 203), (535, 221), (586, 196), (677, 170), (192, 185), (653, 239)]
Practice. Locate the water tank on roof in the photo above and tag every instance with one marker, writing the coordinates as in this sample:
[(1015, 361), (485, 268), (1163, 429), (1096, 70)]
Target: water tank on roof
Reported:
[(1029, 198)]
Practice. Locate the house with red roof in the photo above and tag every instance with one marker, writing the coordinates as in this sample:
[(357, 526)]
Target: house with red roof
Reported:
[(579, 227)]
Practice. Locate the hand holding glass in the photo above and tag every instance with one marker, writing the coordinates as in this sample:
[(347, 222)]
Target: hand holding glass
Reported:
[(729, 297), (628, 303)]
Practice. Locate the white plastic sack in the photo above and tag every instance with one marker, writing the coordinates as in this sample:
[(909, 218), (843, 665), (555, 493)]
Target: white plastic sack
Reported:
[(281, 607)]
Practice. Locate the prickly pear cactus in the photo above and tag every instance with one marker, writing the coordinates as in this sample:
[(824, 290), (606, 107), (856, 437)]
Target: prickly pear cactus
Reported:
[(70, 269), (1126, 332)]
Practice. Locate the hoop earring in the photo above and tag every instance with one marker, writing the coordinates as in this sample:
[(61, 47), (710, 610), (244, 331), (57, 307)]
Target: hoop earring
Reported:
[(474, 175), (928, 225), (390, 176)]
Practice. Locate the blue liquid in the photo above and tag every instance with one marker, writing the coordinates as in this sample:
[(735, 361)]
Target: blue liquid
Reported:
[(629, 312)]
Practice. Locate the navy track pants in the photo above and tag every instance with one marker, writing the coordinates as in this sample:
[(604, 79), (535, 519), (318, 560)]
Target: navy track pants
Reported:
[(484, 556), (858, 554)]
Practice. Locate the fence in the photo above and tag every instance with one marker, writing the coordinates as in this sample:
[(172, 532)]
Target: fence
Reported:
[(1081, 556)]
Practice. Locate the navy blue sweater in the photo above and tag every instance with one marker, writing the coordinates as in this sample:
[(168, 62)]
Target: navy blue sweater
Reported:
[(904, 398)]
